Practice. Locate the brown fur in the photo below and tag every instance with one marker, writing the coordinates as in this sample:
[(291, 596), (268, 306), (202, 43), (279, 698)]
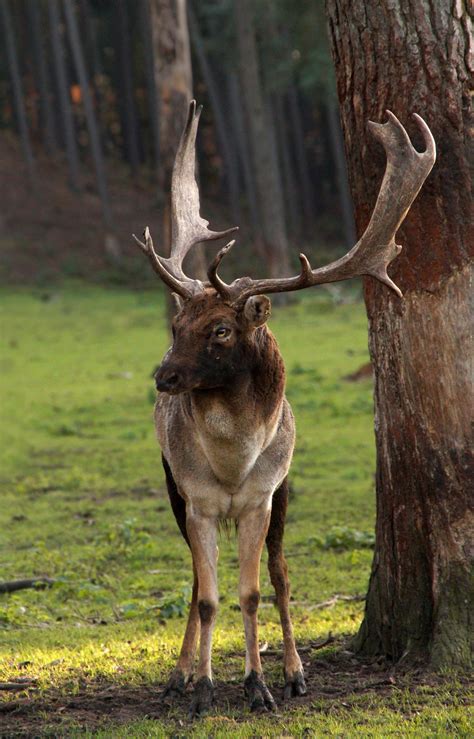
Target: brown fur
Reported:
[(227, 435), (207, 365)]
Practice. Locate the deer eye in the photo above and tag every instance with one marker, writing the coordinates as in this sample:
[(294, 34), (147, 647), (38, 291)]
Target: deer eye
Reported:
[(222, 332)]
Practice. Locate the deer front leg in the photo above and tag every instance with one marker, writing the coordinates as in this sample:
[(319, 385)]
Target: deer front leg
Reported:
[(202, 534), (183, 671), (253, 528)]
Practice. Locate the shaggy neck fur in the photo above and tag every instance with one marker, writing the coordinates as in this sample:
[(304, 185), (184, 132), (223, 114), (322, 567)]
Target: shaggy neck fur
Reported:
[(258, 387)]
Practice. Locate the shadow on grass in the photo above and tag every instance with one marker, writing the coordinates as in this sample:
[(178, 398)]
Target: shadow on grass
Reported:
[(336, 682)]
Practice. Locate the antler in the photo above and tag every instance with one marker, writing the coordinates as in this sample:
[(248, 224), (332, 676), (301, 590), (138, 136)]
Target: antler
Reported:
[(405, 173), (187, 226)]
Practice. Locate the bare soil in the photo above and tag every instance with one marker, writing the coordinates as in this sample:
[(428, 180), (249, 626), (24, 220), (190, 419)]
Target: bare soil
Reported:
[(335, 681), (47, 230)]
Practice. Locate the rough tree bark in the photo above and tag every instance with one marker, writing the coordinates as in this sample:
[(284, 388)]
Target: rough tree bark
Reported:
[(174, 84), (261, 135), (411, 56)]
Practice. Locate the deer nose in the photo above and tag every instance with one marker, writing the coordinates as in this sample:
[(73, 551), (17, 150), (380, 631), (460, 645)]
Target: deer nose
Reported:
[(166, 381)]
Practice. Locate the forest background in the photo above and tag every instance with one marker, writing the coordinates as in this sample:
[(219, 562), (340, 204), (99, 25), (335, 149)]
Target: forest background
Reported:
[(93, 96)]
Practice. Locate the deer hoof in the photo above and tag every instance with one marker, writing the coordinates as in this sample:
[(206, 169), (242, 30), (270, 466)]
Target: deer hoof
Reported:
[(203, 697), (294, 685), (175, 686), (258, 696)]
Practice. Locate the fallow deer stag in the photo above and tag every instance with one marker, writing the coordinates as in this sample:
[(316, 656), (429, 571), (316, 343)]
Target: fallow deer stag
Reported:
[(224, 425)]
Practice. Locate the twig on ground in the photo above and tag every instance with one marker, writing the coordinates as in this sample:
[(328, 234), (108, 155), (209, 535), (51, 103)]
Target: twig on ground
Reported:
[(34, 582), (307, 648), (335, 599), (21, 684), (318, 644)]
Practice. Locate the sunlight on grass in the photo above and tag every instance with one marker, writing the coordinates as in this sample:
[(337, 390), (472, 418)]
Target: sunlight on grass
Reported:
[(83, 502)]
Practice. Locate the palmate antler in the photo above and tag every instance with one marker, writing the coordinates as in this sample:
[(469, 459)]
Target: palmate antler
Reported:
[(405, 173), (187, 226)]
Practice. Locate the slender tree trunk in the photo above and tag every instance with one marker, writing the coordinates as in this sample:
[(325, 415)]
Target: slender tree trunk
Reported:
[(287, 168), (237, 124), (337, 146), (41, 74), (230, 165), (92, 126), (411, 56), (174, 84), (260, 127), (129, 115), (17, 89), (145, 24), (91, 48), (308, 200), (63, 95)]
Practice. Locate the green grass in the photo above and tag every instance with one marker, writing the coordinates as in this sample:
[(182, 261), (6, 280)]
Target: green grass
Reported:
[(83, 501)]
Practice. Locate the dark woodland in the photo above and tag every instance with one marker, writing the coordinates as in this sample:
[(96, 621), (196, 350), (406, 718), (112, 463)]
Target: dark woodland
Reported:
[(97, 94)]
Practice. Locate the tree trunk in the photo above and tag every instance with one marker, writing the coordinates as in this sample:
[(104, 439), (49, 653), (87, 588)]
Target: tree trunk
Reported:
[(260, 126), (92, 126), (17, 90), (91, 47), (308, 199), (292, 195), (411, 57), (145, 30), (41, 74), (127, 100), (221, 125), (63, 96), (174, 84), (237, 125), (337, 146)]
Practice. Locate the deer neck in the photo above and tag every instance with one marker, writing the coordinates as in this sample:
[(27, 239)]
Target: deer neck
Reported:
[(254, 398)]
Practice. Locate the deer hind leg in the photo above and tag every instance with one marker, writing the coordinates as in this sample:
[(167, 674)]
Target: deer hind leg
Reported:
[(183, 672), (292, 667), (253, 527)]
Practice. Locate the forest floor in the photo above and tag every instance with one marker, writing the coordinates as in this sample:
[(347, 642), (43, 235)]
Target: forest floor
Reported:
[(84, 503)]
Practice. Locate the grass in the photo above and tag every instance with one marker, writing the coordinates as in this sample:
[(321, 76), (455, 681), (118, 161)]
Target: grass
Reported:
[(83, 502)]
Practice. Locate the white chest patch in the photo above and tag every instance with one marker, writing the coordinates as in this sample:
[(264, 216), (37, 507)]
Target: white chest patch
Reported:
[(219, 422), (224, 461)]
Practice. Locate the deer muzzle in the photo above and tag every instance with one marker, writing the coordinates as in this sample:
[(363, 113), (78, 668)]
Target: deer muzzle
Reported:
[(168, 379)]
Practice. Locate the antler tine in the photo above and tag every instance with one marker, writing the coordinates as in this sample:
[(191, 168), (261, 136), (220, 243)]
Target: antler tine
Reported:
[(216, 282), (405, 172), (156, 262), (187, 226)]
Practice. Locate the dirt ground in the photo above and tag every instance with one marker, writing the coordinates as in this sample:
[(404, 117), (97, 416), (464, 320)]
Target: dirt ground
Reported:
[(47, 230), (337, 679)]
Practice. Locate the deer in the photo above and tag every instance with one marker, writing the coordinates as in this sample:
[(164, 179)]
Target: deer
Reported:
[(224, 425)]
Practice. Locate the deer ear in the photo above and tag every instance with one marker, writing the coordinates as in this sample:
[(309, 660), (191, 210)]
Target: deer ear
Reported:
[(257, 310)]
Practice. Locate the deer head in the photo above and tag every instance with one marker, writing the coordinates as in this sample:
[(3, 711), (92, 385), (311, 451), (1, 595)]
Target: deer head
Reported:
[(216, 321), (212, 343)]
